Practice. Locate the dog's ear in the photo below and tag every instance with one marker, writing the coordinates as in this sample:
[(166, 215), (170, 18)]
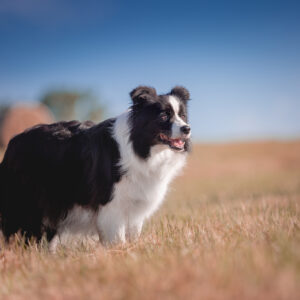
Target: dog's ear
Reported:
[(143, 94), (180, 92)]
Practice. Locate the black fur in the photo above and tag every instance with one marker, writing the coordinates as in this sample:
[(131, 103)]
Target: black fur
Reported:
[(181, 93), (143, 94), (48, 169)]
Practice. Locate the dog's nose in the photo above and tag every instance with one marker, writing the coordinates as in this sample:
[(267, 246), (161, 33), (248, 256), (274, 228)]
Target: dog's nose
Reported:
[(185, 129)]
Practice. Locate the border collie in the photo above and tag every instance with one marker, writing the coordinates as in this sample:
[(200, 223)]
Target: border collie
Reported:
[(104, 179)]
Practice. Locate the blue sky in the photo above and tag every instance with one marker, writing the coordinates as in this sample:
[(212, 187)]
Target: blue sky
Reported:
[(239, 59)]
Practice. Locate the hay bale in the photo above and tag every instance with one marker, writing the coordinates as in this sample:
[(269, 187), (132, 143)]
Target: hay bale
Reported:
[(20, 117)]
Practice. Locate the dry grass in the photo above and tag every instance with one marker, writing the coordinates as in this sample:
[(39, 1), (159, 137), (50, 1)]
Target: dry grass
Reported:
[(230, 229)]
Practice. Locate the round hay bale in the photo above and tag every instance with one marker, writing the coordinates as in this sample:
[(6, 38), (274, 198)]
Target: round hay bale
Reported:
[(22, 116)]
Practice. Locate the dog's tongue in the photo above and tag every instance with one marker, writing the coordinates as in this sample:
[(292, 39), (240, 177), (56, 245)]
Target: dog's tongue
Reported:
[(178, 143)]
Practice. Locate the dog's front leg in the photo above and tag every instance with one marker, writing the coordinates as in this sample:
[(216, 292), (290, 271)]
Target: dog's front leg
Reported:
[(133, 229), (111, 224), (112, 234)]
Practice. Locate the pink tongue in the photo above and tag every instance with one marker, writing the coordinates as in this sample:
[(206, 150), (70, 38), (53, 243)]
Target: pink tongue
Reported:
[(178, 143)]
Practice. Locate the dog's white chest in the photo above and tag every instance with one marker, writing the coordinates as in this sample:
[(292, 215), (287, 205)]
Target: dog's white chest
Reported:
[(145, 183)]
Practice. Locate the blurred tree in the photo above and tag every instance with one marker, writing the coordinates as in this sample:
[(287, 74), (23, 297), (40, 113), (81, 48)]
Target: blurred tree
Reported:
[(73, 105)]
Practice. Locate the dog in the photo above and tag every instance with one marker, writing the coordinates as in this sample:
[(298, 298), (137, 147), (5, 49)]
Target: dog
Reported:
[(104, 179)]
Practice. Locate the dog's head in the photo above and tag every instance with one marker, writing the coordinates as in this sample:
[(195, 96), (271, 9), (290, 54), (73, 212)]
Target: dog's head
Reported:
[(159, 119)]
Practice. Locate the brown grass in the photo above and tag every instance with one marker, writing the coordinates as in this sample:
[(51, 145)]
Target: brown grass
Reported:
[(230, 229)]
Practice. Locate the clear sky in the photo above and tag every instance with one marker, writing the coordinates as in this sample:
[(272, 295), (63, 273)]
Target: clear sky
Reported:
[(239, 59)]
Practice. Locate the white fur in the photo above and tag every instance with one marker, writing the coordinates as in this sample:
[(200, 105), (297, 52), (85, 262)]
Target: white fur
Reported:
[(79, 221), (136, 197), (178, 122)]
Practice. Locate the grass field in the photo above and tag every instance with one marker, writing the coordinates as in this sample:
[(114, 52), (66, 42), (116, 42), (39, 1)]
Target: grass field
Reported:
[(229, 229)]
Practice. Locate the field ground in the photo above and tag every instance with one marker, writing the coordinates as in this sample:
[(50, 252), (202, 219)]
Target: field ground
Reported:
[(229, 229)]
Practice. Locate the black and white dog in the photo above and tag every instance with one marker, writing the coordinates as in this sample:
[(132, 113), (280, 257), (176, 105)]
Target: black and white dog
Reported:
[(104, 179)]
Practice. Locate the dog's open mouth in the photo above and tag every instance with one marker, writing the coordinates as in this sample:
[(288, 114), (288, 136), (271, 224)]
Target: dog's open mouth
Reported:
[(176, 144)]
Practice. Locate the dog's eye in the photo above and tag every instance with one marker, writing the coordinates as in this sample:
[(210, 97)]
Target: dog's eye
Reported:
[(164, 116), (182, 116)]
